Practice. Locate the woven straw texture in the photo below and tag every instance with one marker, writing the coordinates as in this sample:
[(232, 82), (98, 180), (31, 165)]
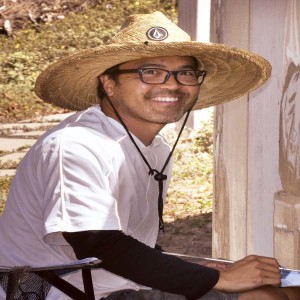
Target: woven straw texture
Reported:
[(73, 81)]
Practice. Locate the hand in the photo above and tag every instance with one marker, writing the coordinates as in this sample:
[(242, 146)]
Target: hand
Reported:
[(249, 273)]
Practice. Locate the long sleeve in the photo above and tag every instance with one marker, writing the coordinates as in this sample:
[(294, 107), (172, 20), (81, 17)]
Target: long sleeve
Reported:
[(131, 259)]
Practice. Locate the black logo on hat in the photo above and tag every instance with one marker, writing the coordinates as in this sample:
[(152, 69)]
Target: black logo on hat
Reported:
[(157, 33)]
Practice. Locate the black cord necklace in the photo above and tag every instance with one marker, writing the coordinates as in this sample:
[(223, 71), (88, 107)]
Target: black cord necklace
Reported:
[(159, 176)]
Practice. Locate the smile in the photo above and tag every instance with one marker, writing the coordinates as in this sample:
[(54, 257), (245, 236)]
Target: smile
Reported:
[(165, 99)]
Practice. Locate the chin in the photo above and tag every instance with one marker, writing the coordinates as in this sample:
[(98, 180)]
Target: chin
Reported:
[(167, 121), (163, 118)]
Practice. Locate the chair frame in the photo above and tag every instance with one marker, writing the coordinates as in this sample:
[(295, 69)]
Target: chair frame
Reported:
[(51, 274)]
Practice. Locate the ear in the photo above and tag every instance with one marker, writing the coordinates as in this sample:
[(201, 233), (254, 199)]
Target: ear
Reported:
[(107, 84)]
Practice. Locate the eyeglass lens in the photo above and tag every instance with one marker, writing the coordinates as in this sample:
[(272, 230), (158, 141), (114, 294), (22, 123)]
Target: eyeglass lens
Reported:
[(185, 77)]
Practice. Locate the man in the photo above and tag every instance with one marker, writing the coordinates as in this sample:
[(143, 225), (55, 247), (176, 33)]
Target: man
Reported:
[(94, 185)]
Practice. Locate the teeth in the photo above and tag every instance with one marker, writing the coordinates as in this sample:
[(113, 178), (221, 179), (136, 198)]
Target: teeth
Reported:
[(165, 99)]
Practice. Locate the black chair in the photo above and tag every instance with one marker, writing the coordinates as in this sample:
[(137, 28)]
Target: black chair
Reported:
[(34, 283)]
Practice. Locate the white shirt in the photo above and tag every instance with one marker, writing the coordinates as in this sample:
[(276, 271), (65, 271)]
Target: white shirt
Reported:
[(84, 174)]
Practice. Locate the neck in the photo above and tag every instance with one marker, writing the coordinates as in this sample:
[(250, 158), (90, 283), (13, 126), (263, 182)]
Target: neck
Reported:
[(145, 132)]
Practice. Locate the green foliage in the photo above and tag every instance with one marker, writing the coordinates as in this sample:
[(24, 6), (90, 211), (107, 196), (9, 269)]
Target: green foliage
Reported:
[(30, 50), (4, 184), (9, 165), (190, 191), (204, 138)]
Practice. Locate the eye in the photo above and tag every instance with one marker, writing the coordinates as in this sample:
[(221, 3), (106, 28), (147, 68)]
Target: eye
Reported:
[(188, 73), (152, 72)]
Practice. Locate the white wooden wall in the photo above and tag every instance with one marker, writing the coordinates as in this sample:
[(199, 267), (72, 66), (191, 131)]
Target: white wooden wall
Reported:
[(247, 179), (257, 182)]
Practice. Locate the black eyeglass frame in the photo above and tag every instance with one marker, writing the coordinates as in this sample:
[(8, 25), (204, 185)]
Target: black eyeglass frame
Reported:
[(140, 71)]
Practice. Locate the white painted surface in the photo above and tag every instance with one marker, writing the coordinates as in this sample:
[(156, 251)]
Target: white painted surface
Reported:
[(251, 130), (194, 18)]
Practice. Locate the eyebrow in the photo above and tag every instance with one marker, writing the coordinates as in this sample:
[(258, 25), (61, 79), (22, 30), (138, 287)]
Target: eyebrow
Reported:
[(153, 65)]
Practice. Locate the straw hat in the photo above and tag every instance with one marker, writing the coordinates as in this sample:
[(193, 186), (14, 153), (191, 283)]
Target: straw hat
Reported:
[(72, 82)]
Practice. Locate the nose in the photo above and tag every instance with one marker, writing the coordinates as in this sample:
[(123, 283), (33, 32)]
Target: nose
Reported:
[(172, 80)]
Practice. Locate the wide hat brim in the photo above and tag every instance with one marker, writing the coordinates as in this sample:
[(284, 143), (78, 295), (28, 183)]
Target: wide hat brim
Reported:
[(72, 82)]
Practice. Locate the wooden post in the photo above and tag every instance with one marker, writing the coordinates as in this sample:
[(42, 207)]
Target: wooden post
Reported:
[(287, 201), (286, 225), (247, 133), (194, 18)]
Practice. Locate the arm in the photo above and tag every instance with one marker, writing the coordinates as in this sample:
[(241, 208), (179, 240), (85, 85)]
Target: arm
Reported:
[(131, 259)]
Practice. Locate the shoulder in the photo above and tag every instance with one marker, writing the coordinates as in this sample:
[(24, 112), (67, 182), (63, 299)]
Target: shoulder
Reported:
[(83, 131)]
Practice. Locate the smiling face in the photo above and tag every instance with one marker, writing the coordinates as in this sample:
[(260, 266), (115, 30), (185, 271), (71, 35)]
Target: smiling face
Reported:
[(145, 104)]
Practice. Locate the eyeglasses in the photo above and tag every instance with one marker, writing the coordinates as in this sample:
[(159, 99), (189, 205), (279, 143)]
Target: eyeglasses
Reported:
[(160, 76)]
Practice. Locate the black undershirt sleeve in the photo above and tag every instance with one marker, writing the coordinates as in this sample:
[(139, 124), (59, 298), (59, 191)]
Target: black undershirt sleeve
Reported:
[(131, 259)]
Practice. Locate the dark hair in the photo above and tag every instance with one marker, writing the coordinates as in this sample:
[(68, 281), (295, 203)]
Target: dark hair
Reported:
[(195, 62)]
